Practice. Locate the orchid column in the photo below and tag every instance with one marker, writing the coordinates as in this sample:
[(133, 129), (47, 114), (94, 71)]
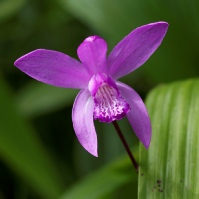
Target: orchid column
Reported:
[(102, 96)]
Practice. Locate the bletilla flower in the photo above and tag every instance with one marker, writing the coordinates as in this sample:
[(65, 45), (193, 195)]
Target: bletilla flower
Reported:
[(101, 97)]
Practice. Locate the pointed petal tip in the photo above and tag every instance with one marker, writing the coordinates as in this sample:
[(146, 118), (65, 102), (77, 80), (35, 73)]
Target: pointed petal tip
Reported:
[(92, 151), (147, 142), (164, 23), (22, 58), (146, 145), (95, 154), (16, 63), (161, 25)]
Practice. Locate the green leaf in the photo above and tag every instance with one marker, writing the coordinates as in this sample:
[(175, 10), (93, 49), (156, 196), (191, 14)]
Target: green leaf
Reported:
[(104, 181), (37, 98), (169, 169), (10, 7), (23, 152)]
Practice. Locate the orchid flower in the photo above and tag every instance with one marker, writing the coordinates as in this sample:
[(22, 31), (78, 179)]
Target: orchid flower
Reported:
[(102, 96)]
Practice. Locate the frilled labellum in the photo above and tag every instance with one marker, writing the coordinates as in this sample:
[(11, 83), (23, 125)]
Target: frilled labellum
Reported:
[(109, 105)]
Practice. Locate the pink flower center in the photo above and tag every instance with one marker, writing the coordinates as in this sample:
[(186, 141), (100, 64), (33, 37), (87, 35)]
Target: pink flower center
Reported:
[(109, 105)]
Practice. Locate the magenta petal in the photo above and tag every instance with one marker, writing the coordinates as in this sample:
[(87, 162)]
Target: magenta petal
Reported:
[(82, 116), (134, 50), (138, 115), (92, 53), (53, 68)]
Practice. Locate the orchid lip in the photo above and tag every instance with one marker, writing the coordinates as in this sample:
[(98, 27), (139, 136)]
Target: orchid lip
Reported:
[(109, 105)]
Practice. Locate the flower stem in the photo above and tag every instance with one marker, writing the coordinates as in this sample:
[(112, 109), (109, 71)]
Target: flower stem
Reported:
[(119, 132)]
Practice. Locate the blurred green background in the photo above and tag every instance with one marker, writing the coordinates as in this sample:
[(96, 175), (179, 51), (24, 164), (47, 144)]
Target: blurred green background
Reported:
[(40, 156)]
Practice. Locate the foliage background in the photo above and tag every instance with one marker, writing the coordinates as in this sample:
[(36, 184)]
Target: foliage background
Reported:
[(40, 156)]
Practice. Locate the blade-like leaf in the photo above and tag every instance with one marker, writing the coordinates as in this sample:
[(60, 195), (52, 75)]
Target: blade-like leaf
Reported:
[(22, 150), (37, 98), (169, 169), (104, 181)]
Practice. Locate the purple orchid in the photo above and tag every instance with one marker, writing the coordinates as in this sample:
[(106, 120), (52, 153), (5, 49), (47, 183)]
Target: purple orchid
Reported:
[(102, 96)]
